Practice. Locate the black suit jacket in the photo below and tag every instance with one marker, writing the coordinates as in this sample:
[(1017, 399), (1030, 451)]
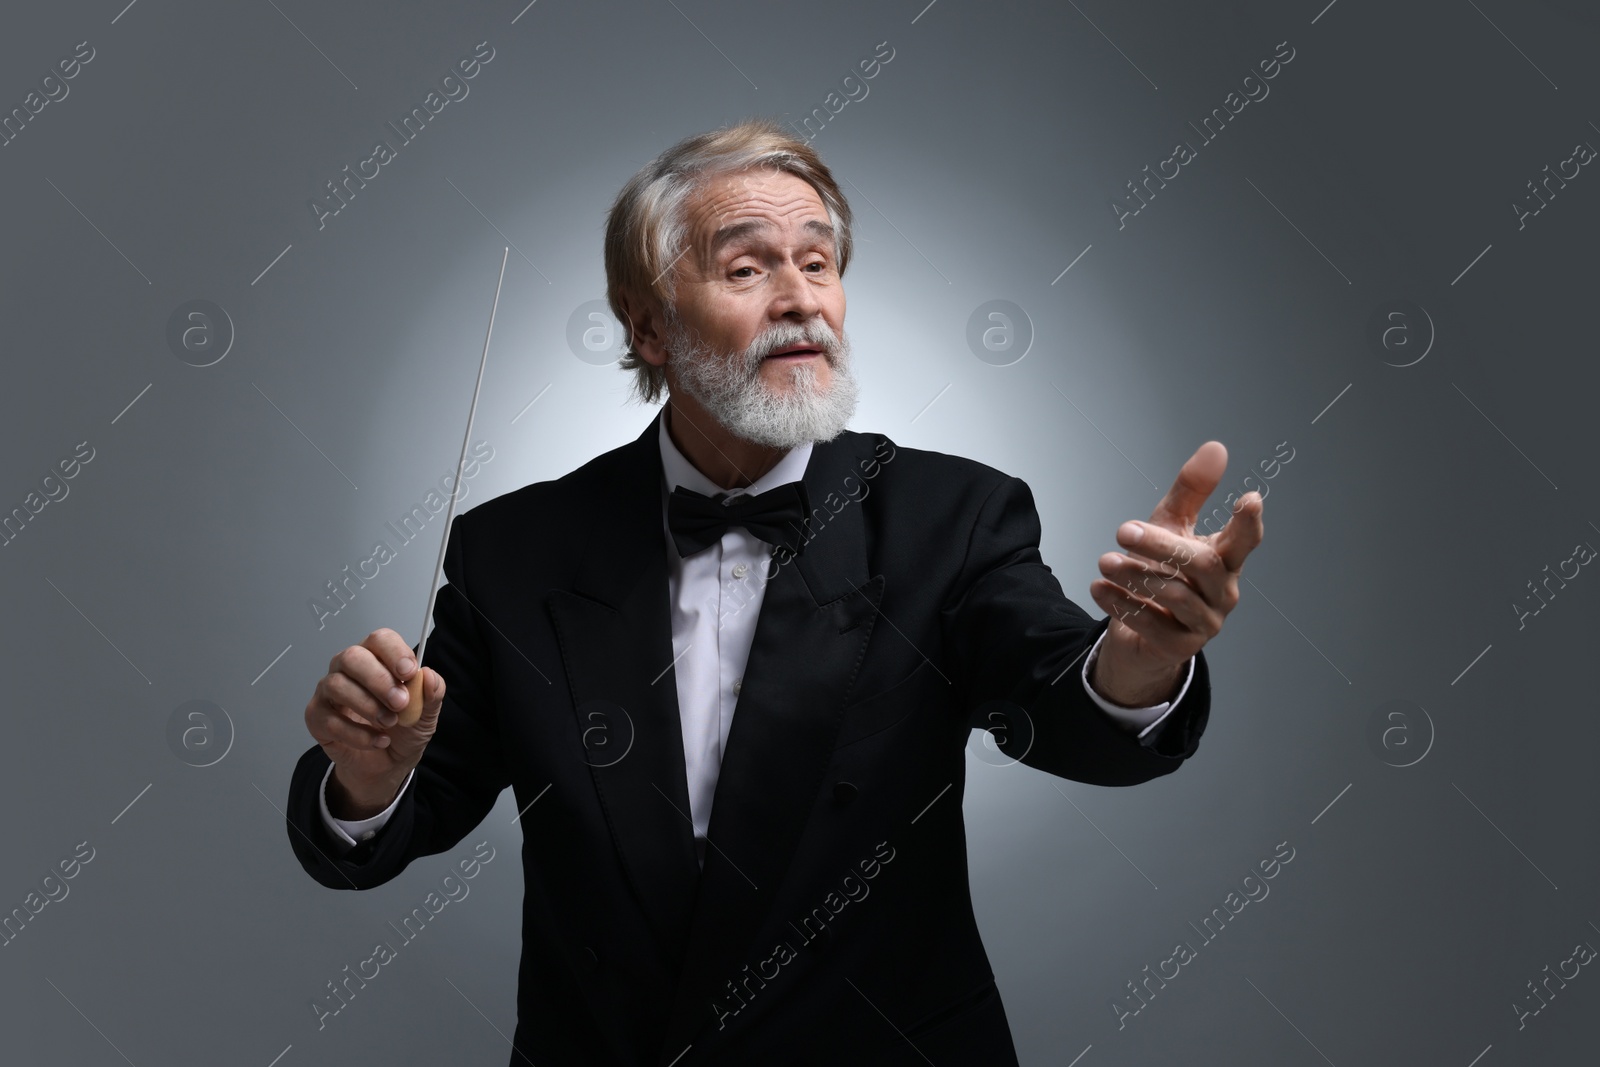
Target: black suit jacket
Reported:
[(833, 922)]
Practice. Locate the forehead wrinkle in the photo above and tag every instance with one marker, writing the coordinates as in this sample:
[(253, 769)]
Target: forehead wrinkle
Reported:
[(733, 199), (729, 198), (745, 227)]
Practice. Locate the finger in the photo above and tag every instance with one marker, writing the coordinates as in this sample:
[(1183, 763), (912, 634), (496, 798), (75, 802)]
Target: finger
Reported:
[(334, 728), (392, 651), (1180, 599), (342, 691), (1197, 479), (1123, 601), (1150, 621), (1243, 532), (351, 716), (360, 664), (1195, 559)]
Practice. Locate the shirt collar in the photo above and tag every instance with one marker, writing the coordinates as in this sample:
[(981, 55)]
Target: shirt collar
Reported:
[(677, 469)]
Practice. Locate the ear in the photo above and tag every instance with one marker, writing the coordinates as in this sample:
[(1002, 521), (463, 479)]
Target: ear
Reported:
[(647, 328)]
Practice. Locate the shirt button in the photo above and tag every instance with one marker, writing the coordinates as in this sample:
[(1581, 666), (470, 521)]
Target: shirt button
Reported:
[(738, 683), (740, 570), (368, 835)]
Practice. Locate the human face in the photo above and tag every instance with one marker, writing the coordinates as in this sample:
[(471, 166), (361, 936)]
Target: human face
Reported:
[(761, 252), (756, 333)]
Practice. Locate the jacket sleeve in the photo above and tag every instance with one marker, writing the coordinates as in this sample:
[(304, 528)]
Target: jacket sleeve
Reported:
[(459, 777), (1018, 644)]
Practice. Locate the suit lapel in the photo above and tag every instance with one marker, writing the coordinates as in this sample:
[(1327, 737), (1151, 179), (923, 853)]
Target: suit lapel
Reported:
[(817, 614), (614, 631)]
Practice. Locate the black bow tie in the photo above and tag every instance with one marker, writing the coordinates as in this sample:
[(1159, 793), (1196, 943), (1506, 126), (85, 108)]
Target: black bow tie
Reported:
[(775, 516)]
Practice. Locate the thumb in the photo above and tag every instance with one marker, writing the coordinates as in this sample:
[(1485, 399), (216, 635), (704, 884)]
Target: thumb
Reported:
[(1243, 532), (426, 689), (432, 694), (432, 699)]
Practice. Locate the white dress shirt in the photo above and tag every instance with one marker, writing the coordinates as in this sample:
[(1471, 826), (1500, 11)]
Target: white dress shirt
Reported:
[(715, 598)]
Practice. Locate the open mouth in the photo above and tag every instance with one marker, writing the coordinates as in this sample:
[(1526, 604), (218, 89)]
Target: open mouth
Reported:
[(795, 352)]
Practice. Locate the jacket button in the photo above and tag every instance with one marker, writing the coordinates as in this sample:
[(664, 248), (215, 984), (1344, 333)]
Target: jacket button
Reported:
[(588, 960), (843, 793)]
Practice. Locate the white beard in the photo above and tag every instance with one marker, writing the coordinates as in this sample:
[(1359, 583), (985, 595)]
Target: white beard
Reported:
[(730, 386)]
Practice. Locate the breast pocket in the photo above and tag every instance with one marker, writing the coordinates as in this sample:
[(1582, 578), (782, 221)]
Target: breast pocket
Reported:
[(876, 713)]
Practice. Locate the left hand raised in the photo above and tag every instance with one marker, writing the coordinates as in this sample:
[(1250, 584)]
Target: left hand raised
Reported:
[(1170, 590)]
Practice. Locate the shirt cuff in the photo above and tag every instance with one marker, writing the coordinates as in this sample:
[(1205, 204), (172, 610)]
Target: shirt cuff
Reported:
[(353, 831), (1142, 720)]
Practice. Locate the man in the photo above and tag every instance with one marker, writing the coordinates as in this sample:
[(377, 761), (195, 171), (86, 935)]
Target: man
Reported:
[(784, 883)]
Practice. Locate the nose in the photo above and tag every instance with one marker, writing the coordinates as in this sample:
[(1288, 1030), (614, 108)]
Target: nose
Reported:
[(794, 295)]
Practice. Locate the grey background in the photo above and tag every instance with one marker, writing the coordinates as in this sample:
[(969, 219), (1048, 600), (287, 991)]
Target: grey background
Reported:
[(1419, 503)]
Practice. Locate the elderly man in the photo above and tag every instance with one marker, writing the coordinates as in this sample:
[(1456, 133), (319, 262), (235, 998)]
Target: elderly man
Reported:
[(730, 669)]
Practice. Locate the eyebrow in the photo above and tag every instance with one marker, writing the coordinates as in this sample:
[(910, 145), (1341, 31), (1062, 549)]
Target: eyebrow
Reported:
[(738, 230)]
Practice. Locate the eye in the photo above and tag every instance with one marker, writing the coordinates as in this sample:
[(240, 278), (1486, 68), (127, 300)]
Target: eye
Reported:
[(738, 269)]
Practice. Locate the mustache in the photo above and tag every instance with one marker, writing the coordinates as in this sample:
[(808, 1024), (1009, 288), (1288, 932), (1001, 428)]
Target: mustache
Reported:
[(686, 346), (815, 332)]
